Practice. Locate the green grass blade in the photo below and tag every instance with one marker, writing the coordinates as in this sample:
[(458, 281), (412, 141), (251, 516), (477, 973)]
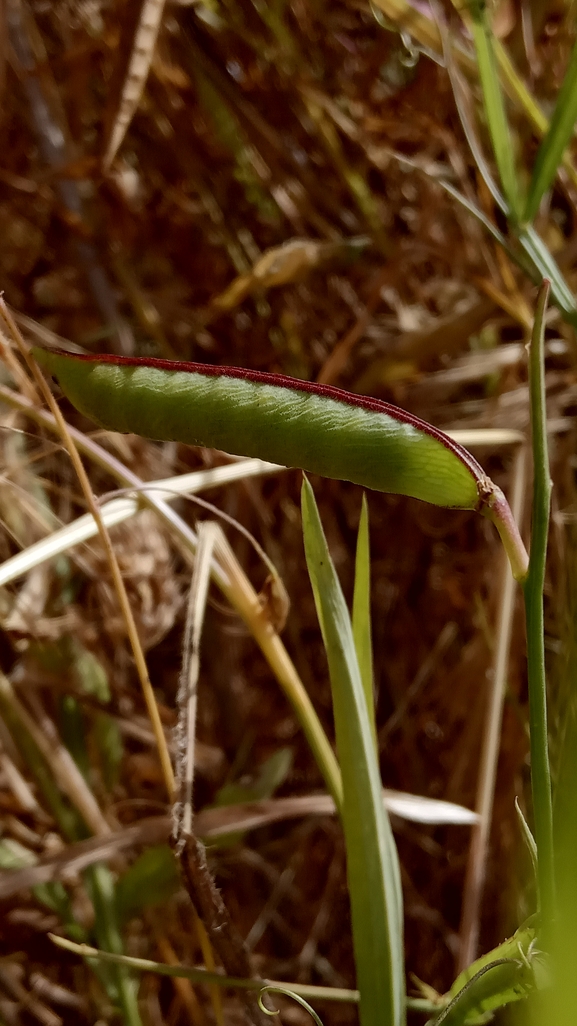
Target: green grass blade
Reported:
[(362, 614), (533, 257), (494, 105), (546, 267), (120, 983), (527, 837), (553, 146), (372, 864)]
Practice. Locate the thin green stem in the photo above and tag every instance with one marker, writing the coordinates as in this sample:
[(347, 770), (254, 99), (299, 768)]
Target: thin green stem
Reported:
[(200, 975), (533, 595)]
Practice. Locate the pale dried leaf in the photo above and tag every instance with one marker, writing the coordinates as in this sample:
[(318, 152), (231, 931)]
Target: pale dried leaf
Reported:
[(137, 72)]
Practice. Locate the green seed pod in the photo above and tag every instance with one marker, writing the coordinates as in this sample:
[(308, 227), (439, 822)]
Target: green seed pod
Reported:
[(318, 428), (322, 430)]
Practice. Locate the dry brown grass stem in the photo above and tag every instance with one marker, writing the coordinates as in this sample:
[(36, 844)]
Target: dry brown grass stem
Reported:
[(222, 932), (186, 992), (17, 371), (11, 984), (21, 788), (186, 729), (139, 63), (477, 863), (64, 769), (514, 305), (244, 598), (229, 577), (187, 692), (211, 823), (336, 362), (131, 630)]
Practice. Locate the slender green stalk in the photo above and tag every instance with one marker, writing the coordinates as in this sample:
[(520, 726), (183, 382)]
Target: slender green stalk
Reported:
[(199, 975), (533, 595), (107, 932)]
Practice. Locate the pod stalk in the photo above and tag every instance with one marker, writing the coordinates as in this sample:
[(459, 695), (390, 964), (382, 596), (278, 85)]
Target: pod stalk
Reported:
[(496, 508)]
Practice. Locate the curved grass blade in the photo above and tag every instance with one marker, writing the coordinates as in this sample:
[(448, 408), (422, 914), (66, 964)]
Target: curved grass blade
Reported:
[(119, 510), (532, 257), (547, 267), (287, 992), (527, 837), (550, 153), (372, 863)]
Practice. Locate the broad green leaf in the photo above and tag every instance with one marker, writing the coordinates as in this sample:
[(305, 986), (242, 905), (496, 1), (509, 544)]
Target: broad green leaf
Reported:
[(90, 672), (494, 105), (372, 863), (14, 855), (362, 614), (68, 656), (553, 146)]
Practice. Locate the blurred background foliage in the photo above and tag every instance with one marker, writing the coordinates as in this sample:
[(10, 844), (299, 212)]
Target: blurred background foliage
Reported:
[(275, 203)]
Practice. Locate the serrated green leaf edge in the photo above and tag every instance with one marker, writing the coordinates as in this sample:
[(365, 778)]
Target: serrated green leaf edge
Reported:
[(500, 977)]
